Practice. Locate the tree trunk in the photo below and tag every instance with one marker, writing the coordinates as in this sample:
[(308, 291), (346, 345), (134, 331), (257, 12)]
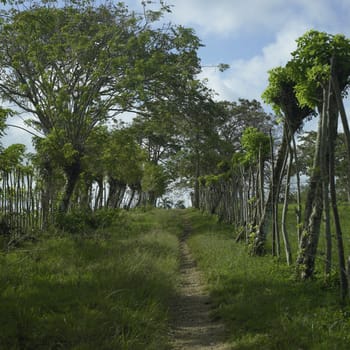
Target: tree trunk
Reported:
[(47, 176), (344, 288), (313, 215), (133, 191), (72, 173), (261, 184), (196, 203), (99, 196), (298, 210), (287, 247), (325, 178), (259, 242)]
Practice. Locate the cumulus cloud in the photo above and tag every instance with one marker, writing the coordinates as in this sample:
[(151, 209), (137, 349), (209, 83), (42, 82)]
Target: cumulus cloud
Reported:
[(272, 25), (248, 78), (234, 16)]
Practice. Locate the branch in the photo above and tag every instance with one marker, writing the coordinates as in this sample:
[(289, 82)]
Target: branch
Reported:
[(22, 128)]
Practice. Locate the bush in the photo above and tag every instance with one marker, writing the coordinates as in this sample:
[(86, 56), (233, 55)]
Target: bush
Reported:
[(83, 221)]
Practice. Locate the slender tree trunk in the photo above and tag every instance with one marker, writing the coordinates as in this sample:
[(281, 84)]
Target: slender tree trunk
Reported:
[(274, 199), (46, 195), (344, 288), (287, 247), (196, 203), (259, 243), (298, 210), (344, 119), (325, 178), (133, 191), (121, 194), (99, 195), (261, 185), (313, 215)]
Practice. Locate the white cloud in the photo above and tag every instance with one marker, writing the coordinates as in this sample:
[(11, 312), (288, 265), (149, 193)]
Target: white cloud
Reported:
[(234, 16), (248, 78), (17, 134)]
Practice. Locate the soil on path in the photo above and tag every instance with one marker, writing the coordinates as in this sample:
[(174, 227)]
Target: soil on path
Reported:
[(192, 326)]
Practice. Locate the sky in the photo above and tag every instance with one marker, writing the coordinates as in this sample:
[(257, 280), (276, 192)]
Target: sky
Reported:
[(252, 36)]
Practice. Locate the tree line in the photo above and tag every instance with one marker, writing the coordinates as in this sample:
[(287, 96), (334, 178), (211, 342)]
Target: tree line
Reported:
[(72, 69)]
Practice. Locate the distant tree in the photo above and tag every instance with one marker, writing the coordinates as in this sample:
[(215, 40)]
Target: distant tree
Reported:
[(154, 183), (124, 161), (256, 147)]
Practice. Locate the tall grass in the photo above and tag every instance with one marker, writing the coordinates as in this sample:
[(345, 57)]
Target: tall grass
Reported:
[(111, 289), (262, 304), (108, 290)]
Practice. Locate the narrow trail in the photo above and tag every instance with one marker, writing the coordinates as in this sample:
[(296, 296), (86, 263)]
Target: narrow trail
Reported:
[(192, 327)]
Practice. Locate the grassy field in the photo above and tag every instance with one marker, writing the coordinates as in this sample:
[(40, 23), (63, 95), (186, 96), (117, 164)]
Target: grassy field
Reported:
[(111, 289), (262, 304), (107, 290)]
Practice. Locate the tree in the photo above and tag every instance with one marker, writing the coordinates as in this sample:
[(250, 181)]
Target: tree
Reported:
[(154, 182), (281, 95), (124, 160), (256, 146), (225, 172), (73, 67), (321, 64), (197, 122)]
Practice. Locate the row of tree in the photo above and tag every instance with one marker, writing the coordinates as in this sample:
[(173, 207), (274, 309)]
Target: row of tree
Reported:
[(73, 68), (314, 82)]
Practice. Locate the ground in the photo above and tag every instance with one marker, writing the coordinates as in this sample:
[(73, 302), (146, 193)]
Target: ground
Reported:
[(192, 327)]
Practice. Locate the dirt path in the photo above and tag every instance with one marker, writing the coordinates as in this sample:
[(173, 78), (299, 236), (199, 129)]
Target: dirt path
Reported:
[(192, 328)]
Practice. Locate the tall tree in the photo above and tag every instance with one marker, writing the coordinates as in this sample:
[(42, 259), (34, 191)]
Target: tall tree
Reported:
[(281, 95), (321, 64), (73, 67)]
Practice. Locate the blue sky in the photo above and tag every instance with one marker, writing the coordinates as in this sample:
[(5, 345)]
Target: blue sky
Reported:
[(252, 36)]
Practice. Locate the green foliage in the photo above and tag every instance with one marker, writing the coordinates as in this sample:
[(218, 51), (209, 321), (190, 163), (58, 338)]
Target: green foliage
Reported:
[(255, 142), (79, 221), (12, 156), (101, 292), (223, 67), (312, 61), (73, 66), (4, 114), (123, 157), (154, 179), (275, 94)]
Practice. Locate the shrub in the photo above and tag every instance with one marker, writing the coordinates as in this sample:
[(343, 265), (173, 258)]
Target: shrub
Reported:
[(80, 221)]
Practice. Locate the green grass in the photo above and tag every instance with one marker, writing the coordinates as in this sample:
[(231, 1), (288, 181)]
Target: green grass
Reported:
[(109, 290), (261, 304)]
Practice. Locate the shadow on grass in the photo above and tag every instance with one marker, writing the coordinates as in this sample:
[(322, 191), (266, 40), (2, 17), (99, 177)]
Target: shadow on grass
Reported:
[(99, 311), (88, 295), (270, 314), (258, 300)]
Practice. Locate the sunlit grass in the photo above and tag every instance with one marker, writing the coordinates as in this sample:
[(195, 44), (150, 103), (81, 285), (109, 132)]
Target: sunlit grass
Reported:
[(259, 300), (111, 289)]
